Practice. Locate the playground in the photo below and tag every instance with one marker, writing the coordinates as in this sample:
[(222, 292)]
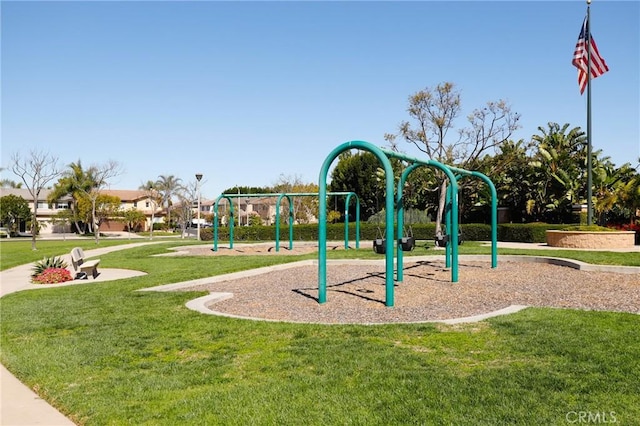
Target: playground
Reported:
[(254, 249), (427, 288), (356, 290)]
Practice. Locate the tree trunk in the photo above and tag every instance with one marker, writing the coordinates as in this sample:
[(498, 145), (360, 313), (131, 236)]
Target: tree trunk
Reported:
[(34, 225), (96, 225), (441, 205), (152, 219)]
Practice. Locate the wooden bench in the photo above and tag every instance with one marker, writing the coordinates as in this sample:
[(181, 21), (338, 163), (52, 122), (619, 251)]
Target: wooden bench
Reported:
[(83, 267)]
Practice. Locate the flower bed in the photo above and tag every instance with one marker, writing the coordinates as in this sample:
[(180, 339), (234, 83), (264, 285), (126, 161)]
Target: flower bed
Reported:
[(52, 276)]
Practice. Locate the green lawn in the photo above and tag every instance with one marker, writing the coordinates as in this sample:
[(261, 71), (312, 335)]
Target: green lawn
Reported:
[(106, 354)]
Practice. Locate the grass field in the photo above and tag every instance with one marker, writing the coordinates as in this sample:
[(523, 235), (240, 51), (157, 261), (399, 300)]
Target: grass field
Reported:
[(106, 354)]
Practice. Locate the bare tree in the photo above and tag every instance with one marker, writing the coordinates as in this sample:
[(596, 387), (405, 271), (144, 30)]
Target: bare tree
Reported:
[(434, 112), (187, 195), (304, 207), (36, 170)]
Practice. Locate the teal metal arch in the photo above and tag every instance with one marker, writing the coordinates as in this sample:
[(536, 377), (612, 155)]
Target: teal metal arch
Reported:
[(315, 194), (400, 214), (215, 221), (460, 173), (383, 156), (322, 218), (280, 197), (450, 250)]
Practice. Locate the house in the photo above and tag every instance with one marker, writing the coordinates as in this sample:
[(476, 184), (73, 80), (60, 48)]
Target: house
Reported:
[(264, 207), (137, 199), (46, 211), (244, 207)]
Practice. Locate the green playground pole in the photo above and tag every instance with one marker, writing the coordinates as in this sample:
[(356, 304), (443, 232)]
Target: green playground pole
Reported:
[(400, 219), (494, 211), (322, 218), (215, 222)]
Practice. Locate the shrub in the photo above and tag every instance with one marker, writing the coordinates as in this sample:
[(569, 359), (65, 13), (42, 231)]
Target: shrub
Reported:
[(630, 227), (587, 228), (52, 276), (48, 263), (525, 232)]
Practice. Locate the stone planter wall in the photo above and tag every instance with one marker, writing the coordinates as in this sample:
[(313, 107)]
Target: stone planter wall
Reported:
[(591, 240)]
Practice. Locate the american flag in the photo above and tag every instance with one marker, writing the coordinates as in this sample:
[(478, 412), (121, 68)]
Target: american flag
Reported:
[(580, 58)]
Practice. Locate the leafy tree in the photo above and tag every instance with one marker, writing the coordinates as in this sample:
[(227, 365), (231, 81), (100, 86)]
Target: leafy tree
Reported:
[(133, 218), (357, 172), (99, 209), (434, 112), (333, 216), (255, 219), (75, 182), (511, 173), (64, 218), (13, 209), (86, 185), (36, 170)]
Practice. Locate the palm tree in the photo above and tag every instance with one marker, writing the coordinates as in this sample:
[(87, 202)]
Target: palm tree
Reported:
[(154, 196), (74, 182), (86, 185), (559, 169), (168, 186), (616, 190)]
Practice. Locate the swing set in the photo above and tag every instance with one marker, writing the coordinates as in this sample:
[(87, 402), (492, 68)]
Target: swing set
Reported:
[(288, 196), (385, 243)]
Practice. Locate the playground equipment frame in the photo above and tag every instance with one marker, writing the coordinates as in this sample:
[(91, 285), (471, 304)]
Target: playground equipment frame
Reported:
[(452, 210), (289, 196)]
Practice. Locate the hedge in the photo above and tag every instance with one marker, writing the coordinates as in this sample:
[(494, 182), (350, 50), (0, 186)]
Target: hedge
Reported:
[(524, 233)]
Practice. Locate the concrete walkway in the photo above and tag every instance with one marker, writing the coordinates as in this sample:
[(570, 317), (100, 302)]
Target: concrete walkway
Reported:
[(19, 405)]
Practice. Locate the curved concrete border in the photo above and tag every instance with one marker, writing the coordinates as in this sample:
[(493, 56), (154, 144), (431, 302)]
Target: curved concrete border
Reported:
[(204, 304)]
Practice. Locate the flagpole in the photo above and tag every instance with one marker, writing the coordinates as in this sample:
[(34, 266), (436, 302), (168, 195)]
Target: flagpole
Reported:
[(589, 165)]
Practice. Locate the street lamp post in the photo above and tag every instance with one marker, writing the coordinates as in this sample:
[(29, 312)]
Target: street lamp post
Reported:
[(198, 178)]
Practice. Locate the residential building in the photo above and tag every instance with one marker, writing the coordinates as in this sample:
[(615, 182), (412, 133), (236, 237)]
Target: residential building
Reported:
[(46, 211), (137, 199)]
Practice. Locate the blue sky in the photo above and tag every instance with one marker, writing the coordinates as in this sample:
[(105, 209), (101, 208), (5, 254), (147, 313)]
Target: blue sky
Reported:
[(244, 92)]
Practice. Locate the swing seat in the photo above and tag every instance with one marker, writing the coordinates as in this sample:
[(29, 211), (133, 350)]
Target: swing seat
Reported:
[(407, 243), (442, 240), (380, 246)]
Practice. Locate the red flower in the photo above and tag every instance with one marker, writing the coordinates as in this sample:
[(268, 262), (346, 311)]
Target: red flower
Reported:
[(52, 276)]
